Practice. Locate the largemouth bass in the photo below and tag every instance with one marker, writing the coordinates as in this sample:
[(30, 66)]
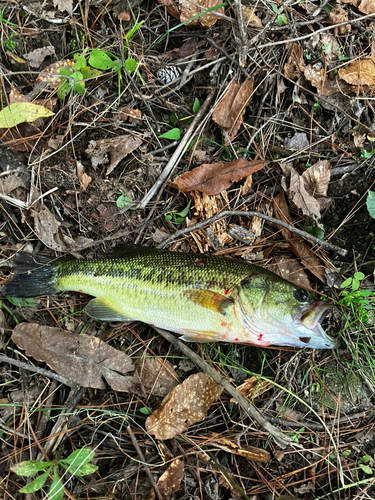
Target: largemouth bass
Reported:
[(201, 297)]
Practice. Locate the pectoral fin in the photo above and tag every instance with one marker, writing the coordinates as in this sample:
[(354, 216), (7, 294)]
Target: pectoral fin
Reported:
[(100, 309), (210, 300)]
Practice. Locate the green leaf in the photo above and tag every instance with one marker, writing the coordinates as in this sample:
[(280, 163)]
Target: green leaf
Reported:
[(196, 106), (168, 218), (173, 118), (370, 203), (366, 459), (366, 469), (30, 467), (90, 72), (56, 491), (274, 7), (173, 135), (359, 276), (123, 201), (282, 19), (79, 87), (100, 60), (346, 283), (131, 65), (16, 301), (144, 410), (80, 61), (185, 211), (36, 484), (346, 453), (85, 470), (355, 284), (79, 457), (21, 112)]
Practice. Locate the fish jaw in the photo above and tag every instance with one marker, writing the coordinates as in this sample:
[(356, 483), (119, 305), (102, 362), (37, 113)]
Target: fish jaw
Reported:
[(304, 330), (307, 325)]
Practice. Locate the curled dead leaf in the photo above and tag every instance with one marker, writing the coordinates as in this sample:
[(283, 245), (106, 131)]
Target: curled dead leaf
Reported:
[(83, 359), (37, 56), (339, 15), (296, 244), (118, 147), (247, 452), (250, 17), (49, 231), (229, 112), (185, 405), (295, 64), (213, 178)]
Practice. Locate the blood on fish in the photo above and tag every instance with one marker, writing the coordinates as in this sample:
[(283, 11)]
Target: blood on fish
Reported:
[(226, 292), (236, 340), (260, 337), (199, 263)]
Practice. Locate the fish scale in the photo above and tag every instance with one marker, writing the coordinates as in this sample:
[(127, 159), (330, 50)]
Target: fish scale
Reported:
[(201, 297)]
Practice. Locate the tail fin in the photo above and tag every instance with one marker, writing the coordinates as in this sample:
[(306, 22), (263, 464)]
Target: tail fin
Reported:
[(34, 276)]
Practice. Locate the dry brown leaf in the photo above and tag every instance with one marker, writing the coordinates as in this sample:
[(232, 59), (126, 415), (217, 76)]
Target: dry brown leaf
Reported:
[(50, 74), (360, 72), (213, 178), (186, 50), (295, 64), (294, 185), (37, 56), (64, 5), (10, 183), (186, 404), (248, 452), (365, 6), (171, 8), (158, 375), (83, 359), (229, 112), (191, 8), (250, 17), (290, 270), (170, 481), (129, 114), (316, 178), (124, 16), (48, 230), (319, 79), (83, 178), (339, 15), (252, 388), (118, 147), (296, 244)]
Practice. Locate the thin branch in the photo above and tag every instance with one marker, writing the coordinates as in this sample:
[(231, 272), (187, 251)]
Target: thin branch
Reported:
[(230, 213), (281, 439), (178, 153), (37, 369)]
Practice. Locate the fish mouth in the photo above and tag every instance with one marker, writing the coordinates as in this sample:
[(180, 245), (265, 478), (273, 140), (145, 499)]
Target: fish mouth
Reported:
[(307, 323)]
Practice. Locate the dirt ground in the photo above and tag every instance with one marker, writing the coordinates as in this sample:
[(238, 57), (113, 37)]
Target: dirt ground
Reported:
[(276, 98)]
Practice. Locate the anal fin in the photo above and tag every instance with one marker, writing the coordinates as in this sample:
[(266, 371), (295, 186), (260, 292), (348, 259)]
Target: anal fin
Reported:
[(198, 336), (100, 309)]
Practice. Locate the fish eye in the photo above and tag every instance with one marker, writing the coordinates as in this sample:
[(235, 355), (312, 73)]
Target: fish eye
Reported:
[(301, 295)]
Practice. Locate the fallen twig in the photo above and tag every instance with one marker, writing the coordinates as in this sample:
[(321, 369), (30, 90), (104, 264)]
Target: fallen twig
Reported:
[(281, 439), (178, 153), (229, 213)]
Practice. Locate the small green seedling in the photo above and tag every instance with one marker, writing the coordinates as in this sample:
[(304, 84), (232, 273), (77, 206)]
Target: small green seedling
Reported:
[(196, 106), (282, 19), (77, 464), (296, 436), (178, 217), (360, 301), (364, 462), (315, 230)]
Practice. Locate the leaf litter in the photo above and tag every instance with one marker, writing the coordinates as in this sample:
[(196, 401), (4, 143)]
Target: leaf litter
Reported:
[(324, 94)]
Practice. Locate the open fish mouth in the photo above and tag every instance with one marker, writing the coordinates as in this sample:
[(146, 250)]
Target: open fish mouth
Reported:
[(307, 323)]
